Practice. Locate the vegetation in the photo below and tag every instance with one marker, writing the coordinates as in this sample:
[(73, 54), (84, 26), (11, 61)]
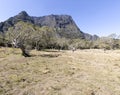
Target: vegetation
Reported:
[(54, 72), (21, 36), (52, 69), (49, 32), (2, 39), (27, 36)]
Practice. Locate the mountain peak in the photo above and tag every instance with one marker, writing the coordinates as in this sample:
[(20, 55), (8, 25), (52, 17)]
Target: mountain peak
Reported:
[(23, 13)]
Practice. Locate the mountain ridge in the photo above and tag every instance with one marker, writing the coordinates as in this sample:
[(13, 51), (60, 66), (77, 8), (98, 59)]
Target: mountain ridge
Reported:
[(64, 24)]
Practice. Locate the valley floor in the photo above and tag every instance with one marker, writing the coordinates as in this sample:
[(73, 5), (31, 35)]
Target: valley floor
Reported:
[(52, 72)]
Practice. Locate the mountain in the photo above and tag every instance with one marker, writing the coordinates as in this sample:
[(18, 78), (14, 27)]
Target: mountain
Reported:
[(64, 24), (114, 36), (90, 37)]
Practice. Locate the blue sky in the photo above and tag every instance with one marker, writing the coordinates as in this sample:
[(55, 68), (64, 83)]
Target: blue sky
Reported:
[(101, 17)]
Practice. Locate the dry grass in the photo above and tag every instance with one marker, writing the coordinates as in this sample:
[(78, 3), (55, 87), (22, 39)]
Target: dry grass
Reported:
[(84, 72)]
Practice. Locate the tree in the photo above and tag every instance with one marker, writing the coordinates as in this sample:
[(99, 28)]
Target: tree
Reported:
[(46, 38), (2, 40), (21, 35)]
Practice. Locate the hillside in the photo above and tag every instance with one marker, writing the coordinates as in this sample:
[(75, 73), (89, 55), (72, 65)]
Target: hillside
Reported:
[(53, 72), (64, 24)]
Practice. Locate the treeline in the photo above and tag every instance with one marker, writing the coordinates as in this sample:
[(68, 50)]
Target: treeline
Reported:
[(101, 43), (27, 36)]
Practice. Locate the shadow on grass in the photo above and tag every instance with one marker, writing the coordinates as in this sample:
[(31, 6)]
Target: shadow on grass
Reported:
[(50, 55), (51, 50), (47, 55)]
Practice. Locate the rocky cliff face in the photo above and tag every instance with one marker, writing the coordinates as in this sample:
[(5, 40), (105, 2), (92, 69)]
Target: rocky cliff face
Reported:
[(64, 24)]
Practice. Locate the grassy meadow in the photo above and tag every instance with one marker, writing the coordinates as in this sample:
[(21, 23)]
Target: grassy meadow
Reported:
[(53, 72)]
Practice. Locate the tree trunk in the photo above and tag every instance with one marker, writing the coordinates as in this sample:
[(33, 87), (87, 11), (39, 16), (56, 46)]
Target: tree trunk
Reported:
[(25, 53)]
